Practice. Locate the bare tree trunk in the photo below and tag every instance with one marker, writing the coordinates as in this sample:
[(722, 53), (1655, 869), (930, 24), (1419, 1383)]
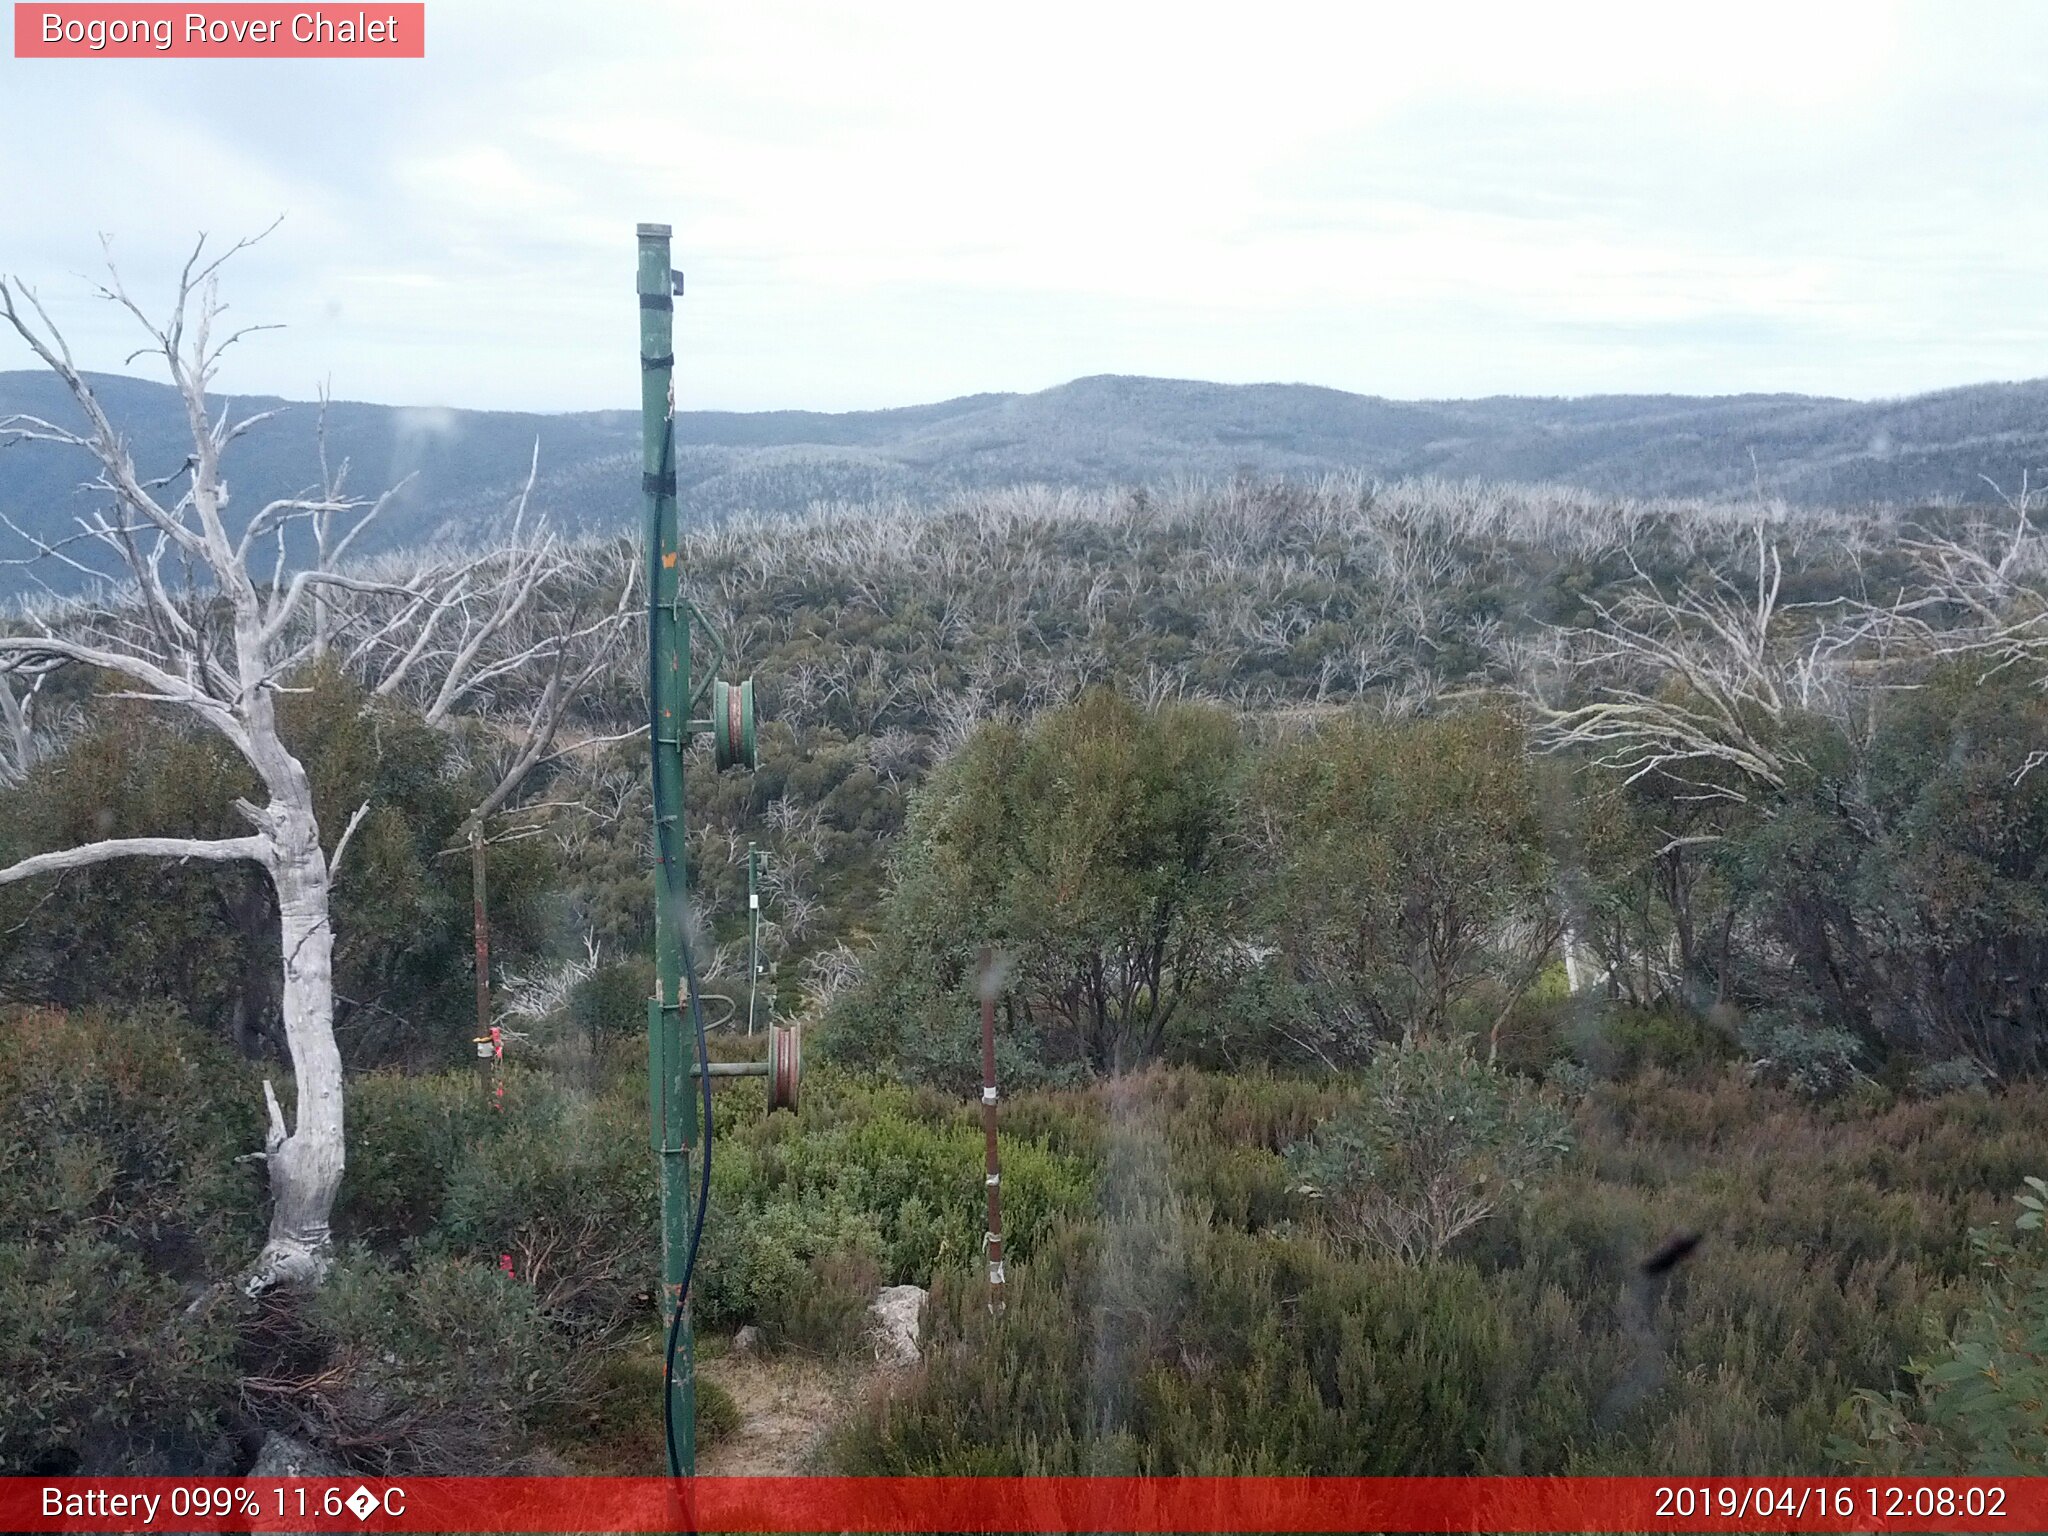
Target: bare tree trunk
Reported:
[(18, 748), (305, 1159)]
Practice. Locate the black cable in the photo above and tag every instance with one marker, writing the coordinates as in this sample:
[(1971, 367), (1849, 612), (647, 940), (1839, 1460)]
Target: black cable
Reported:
[(669, 865), (675, 1325)]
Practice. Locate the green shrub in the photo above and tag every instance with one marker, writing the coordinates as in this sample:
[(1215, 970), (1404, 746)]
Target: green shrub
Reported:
[(443, 1368), (1439, 1143), (1174, 1349), (874, 1183), (828, 1312), (568, 1189), (1982, 1408), (1621, 1041), (759, 1264), (910, 1161), (1093, 837), (612, 1000), (1959, 1074), (407, 1135), (1814, 1061), (104, 1361), (1568, 1077), (202, 935), (130, 1128), (1404, 877), (122, 1202)]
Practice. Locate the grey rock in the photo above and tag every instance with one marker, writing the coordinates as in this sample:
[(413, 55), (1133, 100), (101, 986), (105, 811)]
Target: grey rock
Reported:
[(898, 1312), (282, 1456)]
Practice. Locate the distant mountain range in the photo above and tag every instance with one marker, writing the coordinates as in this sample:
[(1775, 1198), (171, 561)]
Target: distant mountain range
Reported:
[(1101, 431)]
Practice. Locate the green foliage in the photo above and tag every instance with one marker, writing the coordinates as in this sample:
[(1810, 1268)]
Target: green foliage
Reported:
[(873, 1183), (1159, 1335), (127, 1129), (1812, 1060), (561, 1183), (1623, 1041), (1408, 874), (135, 932), (1652, 884), (1981, 1407), (120, 1197), (1163, 1347), (1088, 851), (404, 977), (1959, 1074), (1906, 877), (407, 1134), (445, 1367), (788, 1267), (103, 1359), (611, 1002), (1438, 1143), (203, 937), (1349, 883), (567, 1188)]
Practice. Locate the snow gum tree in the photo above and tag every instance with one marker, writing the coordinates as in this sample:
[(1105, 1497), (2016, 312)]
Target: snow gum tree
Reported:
[(194, 609)]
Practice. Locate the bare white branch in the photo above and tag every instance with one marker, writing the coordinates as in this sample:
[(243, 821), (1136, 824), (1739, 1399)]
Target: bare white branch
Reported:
[(218, 850)]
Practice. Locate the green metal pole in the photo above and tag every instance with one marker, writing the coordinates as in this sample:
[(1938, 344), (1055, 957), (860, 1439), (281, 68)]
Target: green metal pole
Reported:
[(672, 1104)]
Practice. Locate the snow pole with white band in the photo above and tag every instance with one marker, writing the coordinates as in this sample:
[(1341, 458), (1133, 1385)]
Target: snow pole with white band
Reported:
[(992, 1240)]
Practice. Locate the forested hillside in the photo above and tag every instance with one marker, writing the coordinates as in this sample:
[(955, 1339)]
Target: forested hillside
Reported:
[(1422, 907), (458, 468)]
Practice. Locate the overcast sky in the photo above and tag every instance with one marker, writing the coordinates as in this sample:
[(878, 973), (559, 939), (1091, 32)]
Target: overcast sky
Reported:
[(899, 202)]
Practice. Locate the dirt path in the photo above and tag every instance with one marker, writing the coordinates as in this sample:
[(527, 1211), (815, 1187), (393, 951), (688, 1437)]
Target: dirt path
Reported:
[(788, 1403)]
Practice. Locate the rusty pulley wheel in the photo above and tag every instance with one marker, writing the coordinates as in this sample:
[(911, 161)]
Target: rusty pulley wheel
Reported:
[(785, 1064), (732, 723)]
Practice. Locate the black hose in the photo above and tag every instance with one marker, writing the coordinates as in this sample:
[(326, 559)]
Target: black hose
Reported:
[(675, 1325), (669, 865)]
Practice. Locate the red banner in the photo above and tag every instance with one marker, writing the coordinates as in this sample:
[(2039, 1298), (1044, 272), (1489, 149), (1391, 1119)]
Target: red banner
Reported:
[(1025, 1504), (239, 31)]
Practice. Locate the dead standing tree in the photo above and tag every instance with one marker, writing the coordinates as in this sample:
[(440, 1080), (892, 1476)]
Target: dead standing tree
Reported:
[(1696, 688), (20, 744), (189, 623), (514, 640), (1983, 592)]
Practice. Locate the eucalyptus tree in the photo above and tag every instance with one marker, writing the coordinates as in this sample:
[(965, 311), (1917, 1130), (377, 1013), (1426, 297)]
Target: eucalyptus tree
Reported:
[(1090, 848)]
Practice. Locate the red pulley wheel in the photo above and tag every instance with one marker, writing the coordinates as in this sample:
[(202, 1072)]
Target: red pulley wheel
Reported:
[(785, 1065)]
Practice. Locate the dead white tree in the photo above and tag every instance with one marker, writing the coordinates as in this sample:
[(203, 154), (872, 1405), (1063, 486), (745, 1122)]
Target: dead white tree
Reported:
[(1984, 589), (218, 649), (188, 622), (1693, 685), (20, 746)]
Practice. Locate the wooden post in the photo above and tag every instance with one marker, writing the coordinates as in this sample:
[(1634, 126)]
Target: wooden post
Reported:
[(992, 1241), (480, 917), (490, 1038)]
